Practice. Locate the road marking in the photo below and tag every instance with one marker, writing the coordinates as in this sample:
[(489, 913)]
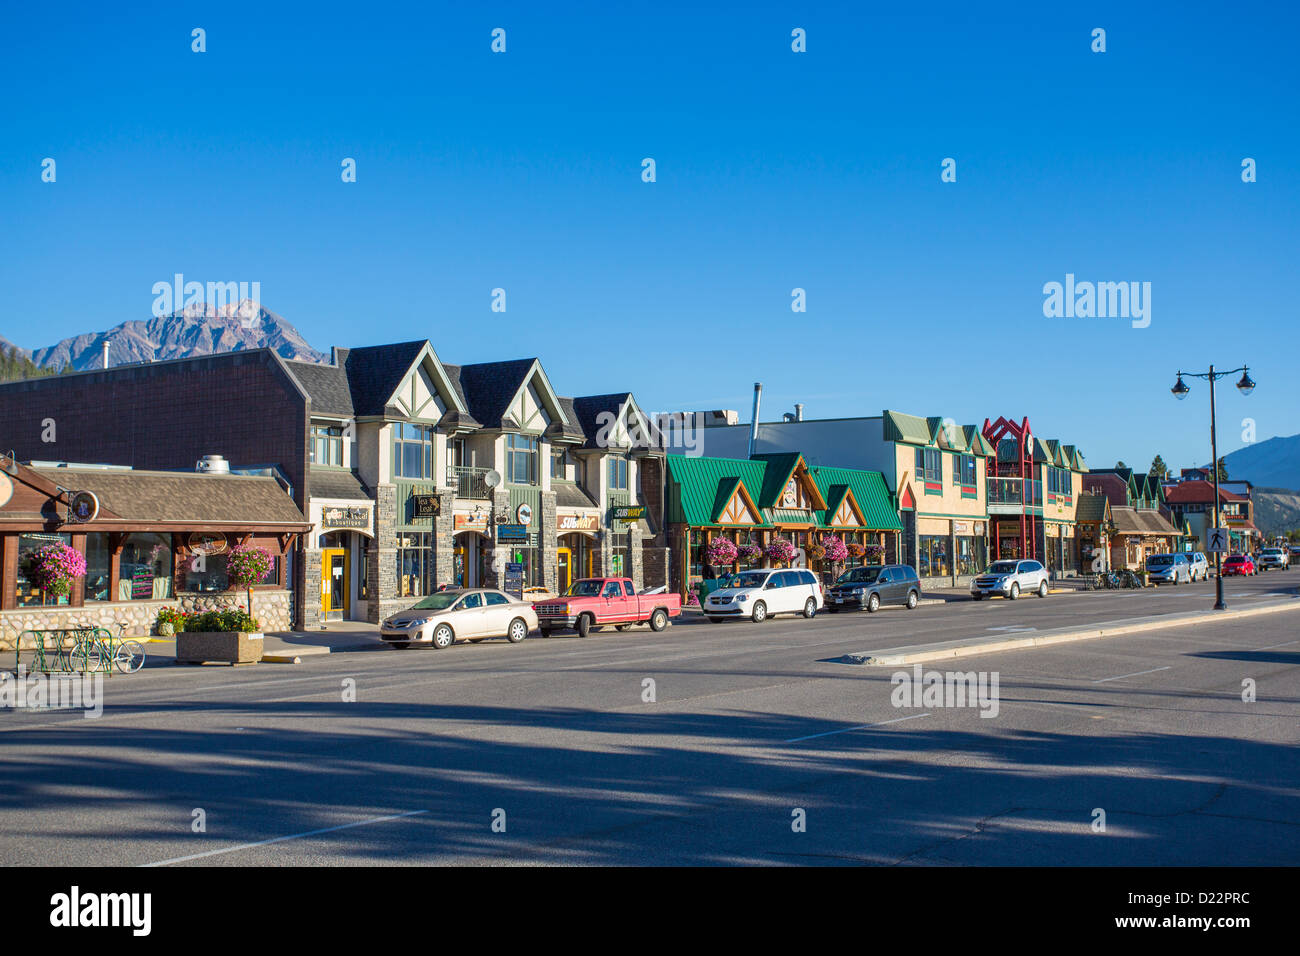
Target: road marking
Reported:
[(1135, 674), (831, 733), (1272, 646), (1012, 627), (292, 836)]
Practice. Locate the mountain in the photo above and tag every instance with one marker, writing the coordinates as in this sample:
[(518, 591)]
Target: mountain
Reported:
[(1269, 464), (1277, 510), (197, 330), (6, 347)]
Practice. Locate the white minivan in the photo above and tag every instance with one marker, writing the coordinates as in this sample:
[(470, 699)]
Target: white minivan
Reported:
[(763, 592)]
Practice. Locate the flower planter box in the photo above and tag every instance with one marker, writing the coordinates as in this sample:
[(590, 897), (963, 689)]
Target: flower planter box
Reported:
[(199, 647)]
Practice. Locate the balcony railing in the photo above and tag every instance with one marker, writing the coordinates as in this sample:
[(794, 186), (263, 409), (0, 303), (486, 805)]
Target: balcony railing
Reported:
[(1015, 491), (469, 481)]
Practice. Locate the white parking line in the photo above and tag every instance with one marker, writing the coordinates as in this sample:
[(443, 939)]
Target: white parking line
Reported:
[(292, 836), (1135, 674), (1272, 646), (831, 733)]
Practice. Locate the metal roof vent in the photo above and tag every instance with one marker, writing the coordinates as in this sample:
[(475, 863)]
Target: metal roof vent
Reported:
[(212, 465)]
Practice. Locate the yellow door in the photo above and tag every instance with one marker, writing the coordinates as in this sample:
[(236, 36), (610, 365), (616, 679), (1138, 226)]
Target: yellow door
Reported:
[(564, 564), (334, 583)]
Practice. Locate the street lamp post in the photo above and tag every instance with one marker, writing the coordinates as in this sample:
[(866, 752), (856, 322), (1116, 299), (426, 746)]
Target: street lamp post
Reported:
[(1245, 385)]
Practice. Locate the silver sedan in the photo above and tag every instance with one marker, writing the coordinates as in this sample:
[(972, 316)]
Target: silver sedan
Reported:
[(471, 614)]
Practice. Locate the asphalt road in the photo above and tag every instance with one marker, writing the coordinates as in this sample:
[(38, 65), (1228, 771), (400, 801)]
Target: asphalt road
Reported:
[(749, 726)]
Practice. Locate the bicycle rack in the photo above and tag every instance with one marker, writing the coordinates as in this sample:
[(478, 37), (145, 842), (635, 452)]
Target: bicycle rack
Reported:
[(61, 653)]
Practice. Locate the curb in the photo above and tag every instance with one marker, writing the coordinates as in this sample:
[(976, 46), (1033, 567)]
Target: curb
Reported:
[(280, 659), (920, 653)]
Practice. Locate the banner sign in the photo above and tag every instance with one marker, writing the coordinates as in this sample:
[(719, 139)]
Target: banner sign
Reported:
[(471, 522), (426, 506), (577, 522)]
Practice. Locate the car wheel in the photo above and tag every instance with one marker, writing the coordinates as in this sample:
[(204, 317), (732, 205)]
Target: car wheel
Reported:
[(400, 645), (810, 608), (759, 614), (1042, 589), (443, 636), (1015, 590), (873, 603), (518, 630), (658, 620), (584, 625), (912, 599)]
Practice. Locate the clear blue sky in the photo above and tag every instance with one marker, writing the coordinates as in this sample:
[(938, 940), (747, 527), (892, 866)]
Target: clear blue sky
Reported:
[(775, 170)]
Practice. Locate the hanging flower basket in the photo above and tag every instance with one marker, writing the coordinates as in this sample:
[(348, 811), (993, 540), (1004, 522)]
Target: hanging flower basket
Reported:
[(54, 567), (874, 551), (750, 553), (857, 551), (721, 553), (817, 552), (781, 550), (834, 548)]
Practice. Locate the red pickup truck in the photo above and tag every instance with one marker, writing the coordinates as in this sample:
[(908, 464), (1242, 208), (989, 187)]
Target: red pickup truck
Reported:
[(595, 602)]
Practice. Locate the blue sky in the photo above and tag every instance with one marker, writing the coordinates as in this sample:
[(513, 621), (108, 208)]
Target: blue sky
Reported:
[(775, 170)]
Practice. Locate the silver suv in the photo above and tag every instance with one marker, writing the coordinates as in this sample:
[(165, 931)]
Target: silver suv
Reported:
[(1274, 558), (1200, 566), (1169, 569), (1009, 578)]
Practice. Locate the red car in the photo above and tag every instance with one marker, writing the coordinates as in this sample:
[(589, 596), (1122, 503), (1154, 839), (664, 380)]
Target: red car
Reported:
[(1242, 564)]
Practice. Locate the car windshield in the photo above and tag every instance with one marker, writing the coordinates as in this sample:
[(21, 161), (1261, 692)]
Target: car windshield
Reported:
[(1002, 567), (860, 576), (1159, 560), (438, 602), (584, 589), (1273, 551), (748, 579)]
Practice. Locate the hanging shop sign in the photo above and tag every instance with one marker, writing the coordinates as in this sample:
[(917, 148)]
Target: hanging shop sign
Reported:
[(629, 513), (345, 518), (576, 522), (512, 532), (207, 542), (83, 506), (472, 522), (426, 506), (524, 514)]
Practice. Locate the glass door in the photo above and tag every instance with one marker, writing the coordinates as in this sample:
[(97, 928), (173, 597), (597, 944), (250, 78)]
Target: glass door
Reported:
[(334, 584)]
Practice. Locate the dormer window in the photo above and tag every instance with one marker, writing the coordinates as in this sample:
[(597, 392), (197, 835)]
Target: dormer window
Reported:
[(413, 451)]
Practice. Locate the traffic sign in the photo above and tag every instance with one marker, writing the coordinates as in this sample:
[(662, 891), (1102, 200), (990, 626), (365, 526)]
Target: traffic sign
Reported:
[(1218, 541)]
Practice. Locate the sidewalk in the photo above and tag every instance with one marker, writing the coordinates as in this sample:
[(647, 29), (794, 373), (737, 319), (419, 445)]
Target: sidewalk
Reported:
[(337, 637)]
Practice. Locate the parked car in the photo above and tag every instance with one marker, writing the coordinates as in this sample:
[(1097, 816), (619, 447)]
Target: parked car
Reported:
[(1200, 566), (595, 602), (761, 593), (871, 586), (470, 614), (1010, 578), (1271, 558), (1169, 569), (1242, 564)]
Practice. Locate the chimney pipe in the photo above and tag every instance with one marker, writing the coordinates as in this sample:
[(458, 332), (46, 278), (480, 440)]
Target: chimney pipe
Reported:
[(753, 427), (105, 353), (798, 412)]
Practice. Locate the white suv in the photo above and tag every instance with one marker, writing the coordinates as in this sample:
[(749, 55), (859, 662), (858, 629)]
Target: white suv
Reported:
[(759, 594), (1274, 558), (1010, 578)]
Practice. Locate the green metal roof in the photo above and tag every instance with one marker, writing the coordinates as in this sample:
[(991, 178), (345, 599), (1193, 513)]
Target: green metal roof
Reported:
[(779, 469), (976, 442), (909, 429), (694, 485), (870, 492)]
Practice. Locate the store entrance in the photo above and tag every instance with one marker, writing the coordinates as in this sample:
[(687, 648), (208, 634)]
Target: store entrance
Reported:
[(334, 584)]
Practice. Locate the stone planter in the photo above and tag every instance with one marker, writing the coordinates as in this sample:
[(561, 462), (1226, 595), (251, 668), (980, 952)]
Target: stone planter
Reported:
[(197, 647)]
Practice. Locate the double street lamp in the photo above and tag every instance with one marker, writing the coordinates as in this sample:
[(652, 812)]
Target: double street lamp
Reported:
[(1245, 385)]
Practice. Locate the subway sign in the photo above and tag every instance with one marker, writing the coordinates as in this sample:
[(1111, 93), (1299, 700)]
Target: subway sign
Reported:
[(629, 513)]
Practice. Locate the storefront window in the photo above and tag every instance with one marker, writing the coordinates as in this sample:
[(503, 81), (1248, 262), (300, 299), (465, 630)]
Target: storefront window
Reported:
[(413, 451), (29, 596), (205, 573), (971, 557), (98, 567), (414, 563), (526, 554), (326, 445), (145, 568), (932, 556)]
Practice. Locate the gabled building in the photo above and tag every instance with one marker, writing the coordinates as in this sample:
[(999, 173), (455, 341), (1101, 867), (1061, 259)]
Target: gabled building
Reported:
[(1192, 502), (1141, 524), (753, 501)]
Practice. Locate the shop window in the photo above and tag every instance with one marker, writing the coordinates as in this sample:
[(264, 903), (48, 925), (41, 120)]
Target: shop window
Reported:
[(27, 594), (413, 451), (526, 554), (971, 556), (99, 564), (414, 564), (521, 460), (145, 568), (932, 555), (326, 445), (965, 465)]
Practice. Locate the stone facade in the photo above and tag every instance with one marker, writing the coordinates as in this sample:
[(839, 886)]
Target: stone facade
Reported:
[(444, 544), (308, 586), (548, 542), (270, 607), (383, 558)]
